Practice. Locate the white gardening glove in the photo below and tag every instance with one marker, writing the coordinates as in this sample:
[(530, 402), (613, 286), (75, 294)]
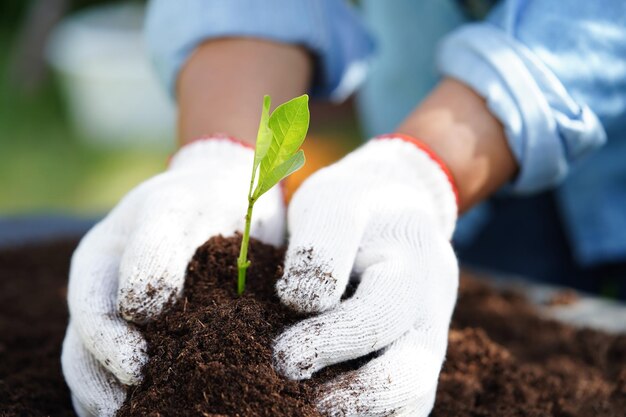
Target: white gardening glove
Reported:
[(385, 213), (132, 263)]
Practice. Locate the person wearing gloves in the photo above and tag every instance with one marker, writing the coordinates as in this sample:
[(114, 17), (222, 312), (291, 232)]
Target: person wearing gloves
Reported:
[(523, 95)]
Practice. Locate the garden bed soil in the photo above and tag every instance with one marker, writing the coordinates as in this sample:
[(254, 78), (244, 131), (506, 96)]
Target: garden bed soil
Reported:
[(210, 355), (33, 317)]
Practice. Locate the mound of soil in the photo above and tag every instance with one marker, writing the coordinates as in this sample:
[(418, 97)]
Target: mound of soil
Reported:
[(210, 355), (505, 360)]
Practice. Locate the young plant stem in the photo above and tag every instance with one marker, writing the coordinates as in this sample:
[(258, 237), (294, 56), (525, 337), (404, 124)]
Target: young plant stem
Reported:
[(242, 262)]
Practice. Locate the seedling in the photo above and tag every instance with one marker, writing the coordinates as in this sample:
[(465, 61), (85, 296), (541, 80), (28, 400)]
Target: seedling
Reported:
[(277, 155)]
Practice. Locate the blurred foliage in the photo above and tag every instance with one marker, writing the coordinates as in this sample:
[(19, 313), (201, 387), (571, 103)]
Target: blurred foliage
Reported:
[(46, 166), (12, 12)]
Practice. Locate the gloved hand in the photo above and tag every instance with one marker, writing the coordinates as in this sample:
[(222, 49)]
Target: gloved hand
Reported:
[(132, 263), (385, 213)]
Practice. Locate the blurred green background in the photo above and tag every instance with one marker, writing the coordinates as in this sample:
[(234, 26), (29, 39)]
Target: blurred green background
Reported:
[(47, 165)]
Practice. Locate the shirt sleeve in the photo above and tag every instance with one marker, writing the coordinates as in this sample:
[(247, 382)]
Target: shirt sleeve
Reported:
[(554, 74), (330, 29)]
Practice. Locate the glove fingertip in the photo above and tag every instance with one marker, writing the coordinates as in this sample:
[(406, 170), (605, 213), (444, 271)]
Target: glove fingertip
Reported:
[(340, 396), (293, 356), (144, 299), (310, 284), (300, 295), (130, 371)]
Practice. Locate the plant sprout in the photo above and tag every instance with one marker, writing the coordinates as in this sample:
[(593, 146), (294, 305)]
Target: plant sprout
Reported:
[(277, 155)]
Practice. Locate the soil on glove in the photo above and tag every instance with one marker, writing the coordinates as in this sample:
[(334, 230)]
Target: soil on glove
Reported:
[(503, 359)]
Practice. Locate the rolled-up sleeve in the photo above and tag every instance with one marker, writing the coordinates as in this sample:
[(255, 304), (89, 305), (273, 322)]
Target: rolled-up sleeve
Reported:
[(553, 72), (330, 29)]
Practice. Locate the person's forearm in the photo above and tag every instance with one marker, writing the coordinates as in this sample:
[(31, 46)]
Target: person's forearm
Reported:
[(456, 124), (220, 88)]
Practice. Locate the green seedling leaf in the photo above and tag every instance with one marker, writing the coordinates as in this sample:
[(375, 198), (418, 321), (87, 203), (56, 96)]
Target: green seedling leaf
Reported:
[(278, 140), (289, 124), (264, 136), (283, 170)]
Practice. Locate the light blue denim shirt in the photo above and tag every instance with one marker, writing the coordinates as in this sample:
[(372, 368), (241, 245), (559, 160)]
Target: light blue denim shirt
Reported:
[(552, 71)]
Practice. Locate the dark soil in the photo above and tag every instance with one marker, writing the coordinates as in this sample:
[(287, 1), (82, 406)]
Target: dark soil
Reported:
[(214, 348), (505, 360), (33, 317)]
